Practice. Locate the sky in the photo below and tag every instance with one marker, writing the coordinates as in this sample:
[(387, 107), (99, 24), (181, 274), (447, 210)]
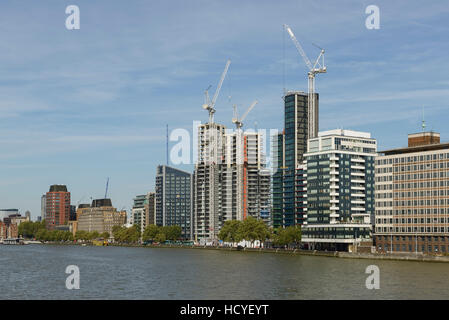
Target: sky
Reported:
[(79, 106)]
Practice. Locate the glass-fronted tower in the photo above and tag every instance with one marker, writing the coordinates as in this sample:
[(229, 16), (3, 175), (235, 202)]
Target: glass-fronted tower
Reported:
[(174, 199), (291, 155)]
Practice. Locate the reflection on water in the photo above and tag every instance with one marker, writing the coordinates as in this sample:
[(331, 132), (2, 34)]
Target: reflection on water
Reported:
[(38, 272)]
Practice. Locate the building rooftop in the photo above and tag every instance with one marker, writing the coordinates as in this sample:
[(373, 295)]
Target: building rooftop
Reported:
[(429, 147), (290, 92), (58, 188), (101, 203), (342, 132), (420, 142)]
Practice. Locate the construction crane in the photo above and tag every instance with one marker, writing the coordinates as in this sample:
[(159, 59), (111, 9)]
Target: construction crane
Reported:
[(210, 104), (317, 67), (106, 192), (239, 122)]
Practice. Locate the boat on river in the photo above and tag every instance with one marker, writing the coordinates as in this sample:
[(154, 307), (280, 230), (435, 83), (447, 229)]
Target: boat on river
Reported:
[(13, 241)]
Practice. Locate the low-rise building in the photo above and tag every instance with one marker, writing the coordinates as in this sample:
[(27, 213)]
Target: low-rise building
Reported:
[(101, 216), (8, 230)]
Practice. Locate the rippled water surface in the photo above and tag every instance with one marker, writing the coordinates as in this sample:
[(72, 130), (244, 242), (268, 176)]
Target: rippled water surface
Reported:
[(38, 272)]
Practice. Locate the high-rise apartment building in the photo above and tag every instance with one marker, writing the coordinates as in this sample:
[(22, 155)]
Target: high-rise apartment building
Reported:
[(231, 181), (338, 176), (412, 196), (277, 181), (173, 199), (206, 181), (57, 206), (290, 149), (245, 181)]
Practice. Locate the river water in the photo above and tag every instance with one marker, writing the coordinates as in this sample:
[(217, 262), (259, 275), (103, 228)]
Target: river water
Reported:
[(38, 272)]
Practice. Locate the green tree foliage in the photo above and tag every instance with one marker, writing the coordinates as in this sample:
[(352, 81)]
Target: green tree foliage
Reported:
[(252, 229), (172, 232), (30, 229), (150, 232), (85, 235), (156, 233), (288, 236), (126, 235), (104, 235), (133, 234), (54, 235), (230, 232), (160, 237)]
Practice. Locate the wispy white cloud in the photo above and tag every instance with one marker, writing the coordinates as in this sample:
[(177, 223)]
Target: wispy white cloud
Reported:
[(135, 66)]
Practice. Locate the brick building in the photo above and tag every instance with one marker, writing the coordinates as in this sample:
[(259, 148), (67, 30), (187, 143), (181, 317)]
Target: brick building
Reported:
[(57, 206)]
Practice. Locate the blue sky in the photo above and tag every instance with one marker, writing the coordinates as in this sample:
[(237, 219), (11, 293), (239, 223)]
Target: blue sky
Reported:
[(79, 106)]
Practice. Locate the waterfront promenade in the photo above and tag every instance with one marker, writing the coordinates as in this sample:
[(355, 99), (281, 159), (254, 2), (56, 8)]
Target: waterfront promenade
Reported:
[(335, 254)]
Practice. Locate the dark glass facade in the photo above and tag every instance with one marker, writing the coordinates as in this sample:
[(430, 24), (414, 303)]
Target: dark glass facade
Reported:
[(174, 199), (277, 181), (295, 139)]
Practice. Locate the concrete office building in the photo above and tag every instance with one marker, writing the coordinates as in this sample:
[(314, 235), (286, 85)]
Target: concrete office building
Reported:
[(339, 180), (412, 196), (57, 206), (17, 219), (5, 213), (173, 199), (101, 216)]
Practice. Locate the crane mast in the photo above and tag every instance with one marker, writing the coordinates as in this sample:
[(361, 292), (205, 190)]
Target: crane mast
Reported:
[(317, 67), (239, 122), (210, 104), (241, 167), (106, 192)]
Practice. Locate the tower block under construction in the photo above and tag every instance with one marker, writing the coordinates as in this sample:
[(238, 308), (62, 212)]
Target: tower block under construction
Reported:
[(231, 181), (207, 176)]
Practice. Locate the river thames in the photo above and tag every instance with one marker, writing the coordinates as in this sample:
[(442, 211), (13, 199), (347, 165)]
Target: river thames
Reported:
[(38, 272)]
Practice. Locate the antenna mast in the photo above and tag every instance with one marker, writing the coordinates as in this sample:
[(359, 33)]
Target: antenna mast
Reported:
[(423, 123), (166, 145)]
